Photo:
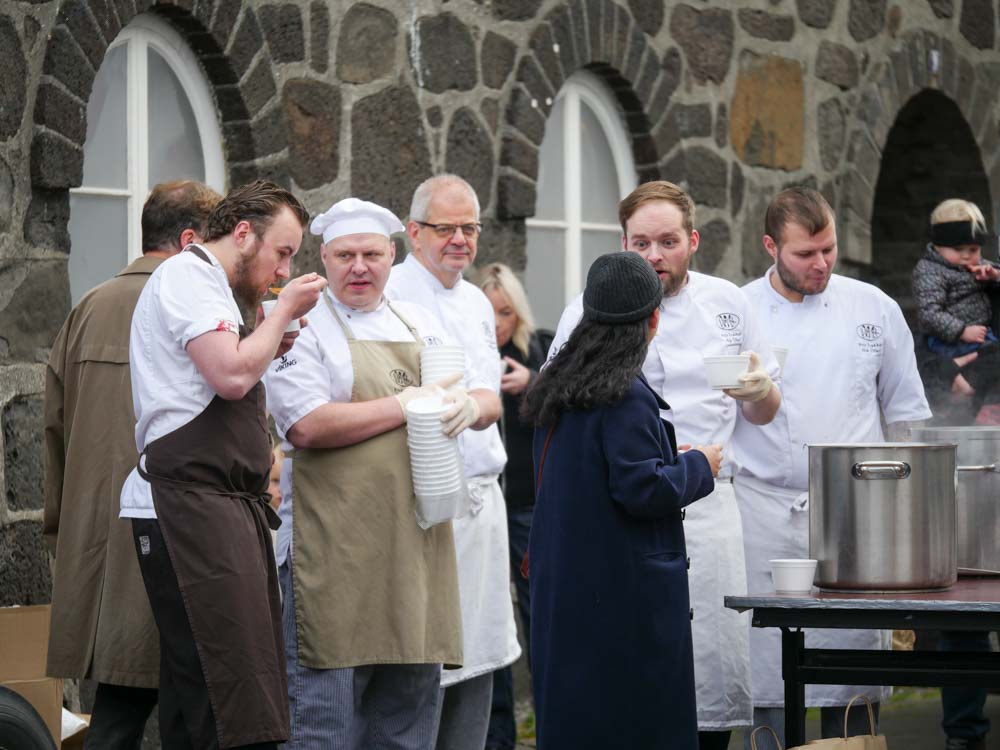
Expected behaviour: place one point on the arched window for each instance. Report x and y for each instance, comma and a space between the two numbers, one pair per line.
150, 118
585, 167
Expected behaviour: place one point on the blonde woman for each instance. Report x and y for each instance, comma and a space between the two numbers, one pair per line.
523, 349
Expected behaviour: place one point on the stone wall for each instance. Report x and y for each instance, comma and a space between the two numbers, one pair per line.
733, 99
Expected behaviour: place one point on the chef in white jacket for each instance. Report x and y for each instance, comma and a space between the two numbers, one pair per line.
444, 231
850, 361
700, 316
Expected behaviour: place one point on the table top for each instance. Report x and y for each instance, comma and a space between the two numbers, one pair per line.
969, 594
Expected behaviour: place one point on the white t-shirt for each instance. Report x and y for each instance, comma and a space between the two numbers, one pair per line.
850, 355
319, 370
708, 316
466, 315
184, 298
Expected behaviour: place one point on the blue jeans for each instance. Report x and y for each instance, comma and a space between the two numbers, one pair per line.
503, 726
962, 707
959, 348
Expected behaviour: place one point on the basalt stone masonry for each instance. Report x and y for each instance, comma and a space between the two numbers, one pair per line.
734, 100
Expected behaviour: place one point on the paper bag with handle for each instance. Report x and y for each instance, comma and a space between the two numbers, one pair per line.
870, 741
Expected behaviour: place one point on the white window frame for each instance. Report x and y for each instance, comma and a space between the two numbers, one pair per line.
143, 32
587, 87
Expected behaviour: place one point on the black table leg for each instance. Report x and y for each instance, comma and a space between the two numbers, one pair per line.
792, 646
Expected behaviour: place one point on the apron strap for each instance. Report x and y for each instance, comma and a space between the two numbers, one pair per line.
264, 498
350, 334
199, 251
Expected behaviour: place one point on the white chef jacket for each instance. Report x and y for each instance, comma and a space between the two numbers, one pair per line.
319, 370
708, 316
489, 636
184, 298
467, 316
850, 355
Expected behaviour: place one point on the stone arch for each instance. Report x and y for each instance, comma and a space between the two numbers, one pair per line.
570, 38
224, 36
930, 154
894, 81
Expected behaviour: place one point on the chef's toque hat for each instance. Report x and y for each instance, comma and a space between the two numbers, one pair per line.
354, 216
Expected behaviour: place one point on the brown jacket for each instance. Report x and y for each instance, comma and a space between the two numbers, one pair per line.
102, 627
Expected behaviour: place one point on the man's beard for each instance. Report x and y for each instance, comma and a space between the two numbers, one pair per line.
672, 283
248, 294
796, 283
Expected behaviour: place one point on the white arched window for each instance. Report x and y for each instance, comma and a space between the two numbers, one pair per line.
585, 167
150, 119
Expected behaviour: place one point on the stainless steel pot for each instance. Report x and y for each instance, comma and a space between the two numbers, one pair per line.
882, 516
977, 502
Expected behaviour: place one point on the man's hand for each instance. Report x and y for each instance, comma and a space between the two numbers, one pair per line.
713, 453
516, 379
463, 412
973, 334
300, 295
985, 272
756, 383
436, 388
960, 387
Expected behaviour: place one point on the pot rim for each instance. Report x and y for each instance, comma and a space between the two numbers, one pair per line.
895, 446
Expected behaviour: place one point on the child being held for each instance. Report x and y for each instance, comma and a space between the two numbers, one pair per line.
952, 283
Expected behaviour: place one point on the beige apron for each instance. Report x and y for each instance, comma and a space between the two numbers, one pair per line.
371, 587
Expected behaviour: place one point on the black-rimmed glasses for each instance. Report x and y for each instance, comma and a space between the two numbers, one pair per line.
444, 231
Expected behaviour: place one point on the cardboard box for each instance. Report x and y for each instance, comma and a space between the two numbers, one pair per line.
24, 642
46, 695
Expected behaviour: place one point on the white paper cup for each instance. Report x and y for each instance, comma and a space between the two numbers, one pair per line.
724, 370
438, 362
269, 304
793, 576
780, 354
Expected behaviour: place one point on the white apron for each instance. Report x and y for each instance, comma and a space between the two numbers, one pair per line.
714, 540
488, 631
776, 525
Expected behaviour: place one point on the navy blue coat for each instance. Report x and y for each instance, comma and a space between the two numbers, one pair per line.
611, 654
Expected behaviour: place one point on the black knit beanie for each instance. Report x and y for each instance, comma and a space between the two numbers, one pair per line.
621, 288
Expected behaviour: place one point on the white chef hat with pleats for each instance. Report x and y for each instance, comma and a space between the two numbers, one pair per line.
355, 216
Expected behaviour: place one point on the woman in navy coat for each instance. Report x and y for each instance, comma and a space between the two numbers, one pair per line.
611, 650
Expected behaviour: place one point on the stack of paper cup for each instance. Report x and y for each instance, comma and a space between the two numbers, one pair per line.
438, 362
435, 464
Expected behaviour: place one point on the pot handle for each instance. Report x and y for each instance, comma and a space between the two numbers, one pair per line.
995, 468
880, 470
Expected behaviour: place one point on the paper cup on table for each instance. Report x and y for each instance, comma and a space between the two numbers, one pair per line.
435, 465
780, 354
724, 370
268, 306
793, 576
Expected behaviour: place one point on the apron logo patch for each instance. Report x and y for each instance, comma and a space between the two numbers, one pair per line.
401, 378
144, 545
727, 321
869, 331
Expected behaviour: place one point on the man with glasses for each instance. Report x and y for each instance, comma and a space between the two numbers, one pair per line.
444, 231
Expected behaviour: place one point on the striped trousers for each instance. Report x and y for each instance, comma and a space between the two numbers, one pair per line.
371, 707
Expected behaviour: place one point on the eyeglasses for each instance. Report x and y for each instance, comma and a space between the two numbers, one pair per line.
444, 231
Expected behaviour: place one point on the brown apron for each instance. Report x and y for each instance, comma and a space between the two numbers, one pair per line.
209, 480
371, 586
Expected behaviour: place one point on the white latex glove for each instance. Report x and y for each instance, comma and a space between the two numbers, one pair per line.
463, 412
436, 388
756, 382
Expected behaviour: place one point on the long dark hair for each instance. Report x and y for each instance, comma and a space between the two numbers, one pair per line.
594, 368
